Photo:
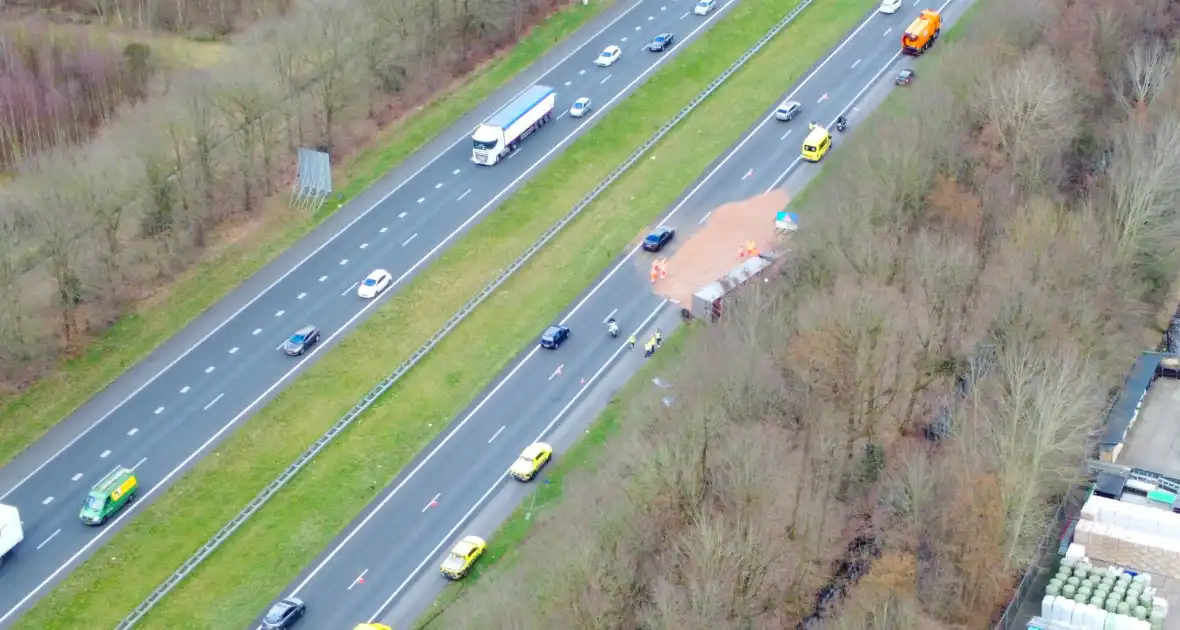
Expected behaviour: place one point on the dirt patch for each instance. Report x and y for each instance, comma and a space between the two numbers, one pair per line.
712, 251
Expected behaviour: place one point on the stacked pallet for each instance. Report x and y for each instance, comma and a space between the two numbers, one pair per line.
1136, 536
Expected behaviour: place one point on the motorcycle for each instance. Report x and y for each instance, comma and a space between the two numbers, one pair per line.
613, 328
841, 125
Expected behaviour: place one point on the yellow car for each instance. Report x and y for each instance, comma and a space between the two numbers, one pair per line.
372, 626
462, 556
530, 461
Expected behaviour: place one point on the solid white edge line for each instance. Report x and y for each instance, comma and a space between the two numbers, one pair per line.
500, 479
577, 395
131, 510
332, 554
297, 265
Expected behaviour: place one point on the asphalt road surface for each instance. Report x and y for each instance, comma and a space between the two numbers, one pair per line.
172, 408
457, 487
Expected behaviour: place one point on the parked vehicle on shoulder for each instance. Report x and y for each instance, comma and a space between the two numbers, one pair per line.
554, 336
302, 341
463, 555
921, 34
530, 462
905, 77
284, 614
658, 238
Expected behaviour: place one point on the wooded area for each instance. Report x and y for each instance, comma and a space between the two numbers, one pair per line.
997, 248
193, 18
86, 230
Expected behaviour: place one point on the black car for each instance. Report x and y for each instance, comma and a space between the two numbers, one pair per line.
658, 238
661, 42
303, 339
905, 77
554, 336
284, 614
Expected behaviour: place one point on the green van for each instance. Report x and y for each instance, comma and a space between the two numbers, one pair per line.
109, 495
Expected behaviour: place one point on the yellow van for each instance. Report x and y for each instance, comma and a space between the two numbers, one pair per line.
816, 145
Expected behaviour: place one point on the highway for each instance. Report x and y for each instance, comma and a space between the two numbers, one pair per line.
174, 406
457, 486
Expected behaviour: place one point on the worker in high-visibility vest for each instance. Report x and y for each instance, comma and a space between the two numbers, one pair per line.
631, 342
648, 348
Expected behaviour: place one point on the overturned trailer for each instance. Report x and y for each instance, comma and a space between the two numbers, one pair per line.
708, 303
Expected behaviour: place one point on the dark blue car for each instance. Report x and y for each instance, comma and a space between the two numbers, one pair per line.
554, 336
658, 238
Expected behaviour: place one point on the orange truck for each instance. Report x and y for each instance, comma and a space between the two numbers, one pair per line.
921, 33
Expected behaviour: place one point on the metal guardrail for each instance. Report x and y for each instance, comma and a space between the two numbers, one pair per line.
140, 611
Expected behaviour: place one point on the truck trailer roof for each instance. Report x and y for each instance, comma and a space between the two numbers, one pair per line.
519, 106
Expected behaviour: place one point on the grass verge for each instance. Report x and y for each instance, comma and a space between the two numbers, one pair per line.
286, 535
25, 417
582, 456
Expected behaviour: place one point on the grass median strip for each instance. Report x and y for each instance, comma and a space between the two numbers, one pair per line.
285, 536
580, 457
25, 417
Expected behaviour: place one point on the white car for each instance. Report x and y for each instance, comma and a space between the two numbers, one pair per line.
890, 6
705, 7
580, 107
608, 57
377, 282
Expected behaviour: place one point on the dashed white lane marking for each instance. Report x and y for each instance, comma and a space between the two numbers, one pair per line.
159, 410
684, 16
704, 218
364, 245
623, 39
133, 431
322, 278
407, 241
46, 541
556, 372
255, 333
279, 313
139, 463
421, 199
104, 454
581, 72
650, 18
496, 434
455, 172
886, 33
438, 185
214, 401
234, 350
609, 315
856, 63
561, 115
748, 174
349, 289
569, 83
433, 501
637, 28
184, 390
382, 230
467, 192
359, 579
344, 261
209, 369
785, 135
663, 8
76, 477
47, 501
604, 79
401, 215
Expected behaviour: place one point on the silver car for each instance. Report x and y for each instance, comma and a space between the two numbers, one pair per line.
788, 110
